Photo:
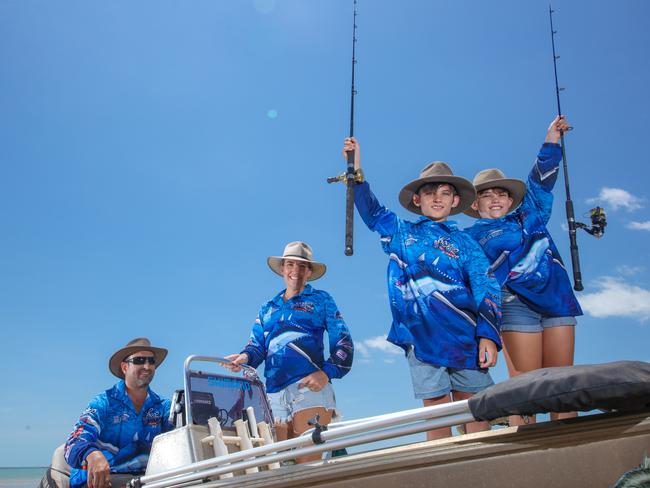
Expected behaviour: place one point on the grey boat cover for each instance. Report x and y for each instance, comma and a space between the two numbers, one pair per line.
622, 385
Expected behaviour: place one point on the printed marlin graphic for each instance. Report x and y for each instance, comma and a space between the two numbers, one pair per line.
283, 340
423, 287
303, 354
427, 285
531, 260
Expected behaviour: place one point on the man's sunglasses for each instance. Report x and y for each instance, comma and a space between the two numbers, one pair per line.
140, 360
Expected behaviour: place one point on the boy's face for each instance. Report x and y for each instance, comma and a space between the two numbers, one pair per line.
436, 200
492, 203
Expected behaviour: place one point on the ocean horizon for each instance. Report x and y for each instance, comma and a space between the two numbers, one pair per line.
21, 477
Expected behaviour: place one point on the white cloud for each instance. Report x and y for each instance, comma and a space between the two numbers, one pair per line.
626, 270
616, 298
616, 198
366, 347
639, 225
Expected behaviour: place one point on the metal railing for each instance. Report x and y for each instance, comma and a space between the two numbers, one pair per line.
341, 435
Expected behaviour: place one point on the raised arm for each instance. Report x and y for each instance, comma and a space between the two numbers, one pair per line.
377, 217
543, 176
559, 126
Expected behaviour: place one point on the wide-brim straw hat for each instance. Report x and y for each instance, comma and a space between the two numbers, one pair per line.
438, 172
297, 251
136, 345
494, 178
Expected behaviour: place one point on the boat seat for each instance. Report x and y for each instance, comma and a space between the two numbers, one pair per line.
58, 473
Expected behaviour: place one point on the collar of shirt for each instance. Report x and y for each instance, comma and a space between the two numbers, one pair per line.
120, 393
497, 222
448, 225
278, 300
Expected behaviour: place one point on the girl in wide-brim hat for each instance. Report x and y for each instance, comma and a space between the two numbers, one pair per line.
538, 304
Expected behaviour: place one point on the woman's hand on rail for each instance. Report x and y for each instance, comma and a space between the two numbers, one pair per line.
235, 361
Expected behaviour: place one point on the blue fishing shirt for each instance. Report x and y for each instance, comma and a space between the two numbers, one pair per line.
523, 255
111, 425
441, 296
288, 337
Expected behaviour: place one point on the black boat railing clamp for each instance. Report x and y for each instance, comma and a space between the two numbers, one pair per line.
318, 429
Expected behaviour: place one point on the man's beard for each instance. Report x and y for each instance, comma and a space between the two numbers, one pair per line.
143, 380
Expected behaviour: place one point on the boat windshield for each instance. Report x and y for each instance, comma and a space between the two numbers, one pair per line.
226, 398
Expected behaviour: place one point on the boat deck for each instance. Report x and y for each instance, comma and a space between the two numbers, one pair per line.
592, 451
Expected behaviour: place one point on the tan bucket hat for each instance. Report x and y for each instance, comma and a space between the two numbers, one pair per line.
136, 345
438, 172
298, 251
494, 178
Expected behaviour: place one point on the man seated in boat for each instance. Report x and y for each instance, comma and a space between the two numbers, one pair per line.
112, 439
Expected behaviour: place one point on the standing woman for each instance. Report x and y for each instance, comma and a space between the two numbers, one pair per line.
288, 337
538, 304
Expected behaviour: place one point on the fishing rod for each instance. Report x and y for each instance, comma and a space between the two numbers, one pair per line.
597, 214
349, 176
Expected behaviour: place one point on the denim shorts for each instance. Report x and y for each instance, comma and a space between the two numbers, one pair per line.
433, 381
290, 400
519, 317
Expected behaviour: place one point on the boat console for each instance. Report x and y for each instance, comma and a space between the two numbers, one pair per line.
215, 414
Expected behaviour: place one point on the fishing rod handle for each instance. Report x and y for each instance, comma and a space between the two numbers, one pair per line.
577, 274
573, 245
349, 204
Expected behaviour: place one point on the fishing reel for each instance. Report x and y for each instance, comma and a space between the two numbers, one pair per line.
343, 177
598, 222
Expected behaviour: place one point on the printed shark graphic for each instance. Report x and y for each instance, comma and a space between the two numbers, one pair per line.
400, 263
557, 261
410, 241
283, 340
531, 260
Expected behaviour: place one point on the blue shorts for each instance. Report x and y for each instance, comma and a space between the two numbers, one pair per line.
519, 317
433, 381
290, 400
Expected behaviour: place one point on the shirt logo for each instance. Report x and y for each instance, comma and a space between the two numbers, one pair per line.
446, 246
152, 417
121, 418
303, 307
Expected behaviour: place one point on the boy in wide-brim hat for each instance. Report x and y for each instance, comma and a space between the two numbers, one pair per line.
539, 307
444, 305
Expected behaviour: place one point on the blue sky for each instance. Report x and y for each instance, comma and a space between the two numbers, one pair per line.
154, 153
